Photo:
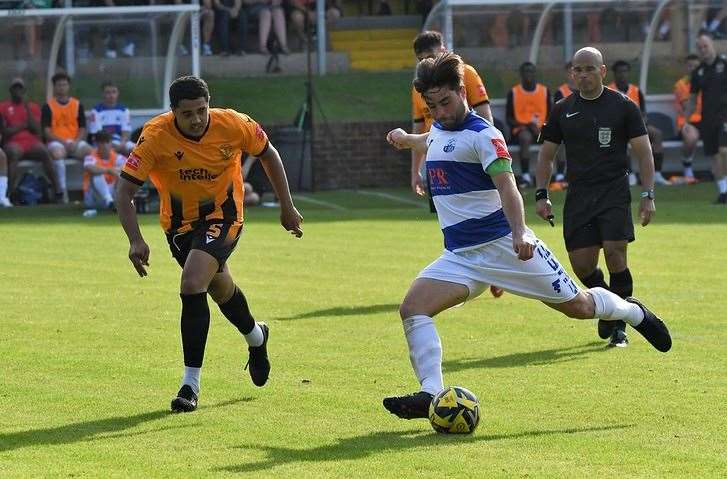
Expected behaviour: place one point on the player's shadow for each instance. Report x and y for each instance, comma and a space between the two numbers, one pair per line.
346, 311
373, 444
534, 358
112, 427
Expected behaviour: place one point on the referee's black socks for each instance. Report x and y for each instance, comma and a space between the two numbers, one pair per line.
595, 279
622, 283
195, 324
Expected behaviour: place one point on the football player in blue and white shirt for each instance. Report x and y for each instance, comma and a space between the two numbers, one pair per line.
114, 118
486, 240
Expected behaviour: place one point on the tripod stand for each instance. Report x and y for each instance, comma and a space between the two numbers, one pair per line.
305, 117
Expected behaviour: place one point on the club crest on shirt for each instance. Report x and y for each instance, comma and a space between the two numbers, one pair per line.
226, 152
449, 147
604, 136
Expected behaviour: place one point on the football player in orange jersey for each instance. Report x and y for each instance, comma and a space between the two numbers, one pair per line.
192, 155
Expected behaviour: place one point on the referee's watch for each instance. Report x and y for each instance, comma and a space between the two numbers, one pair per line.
648, 194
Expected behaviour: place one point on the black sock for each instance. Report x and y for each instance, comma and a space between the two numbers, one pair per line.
595, 279
622, 283
238, 313
195, 324
658, 161
525, 165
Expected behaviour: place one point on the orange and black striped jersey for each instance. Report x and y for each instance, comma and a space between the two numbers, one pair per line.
197, 179
476, 96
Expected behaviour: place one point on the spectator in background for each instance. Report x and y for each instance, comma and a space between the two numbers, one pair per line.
21, 136
303, 16
64, 127
710, 79
4, 201
31, 26
129, 47
688, 128
207, 21
113, 118
230, 12
621, 70
528, 106
101, 169
269, 13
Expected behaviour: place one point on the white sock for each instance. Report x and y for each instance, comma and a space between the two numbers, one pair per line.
60, 167
611, 307
191, 378
425, 352
102, 188
722, 185
255, 337
3, 186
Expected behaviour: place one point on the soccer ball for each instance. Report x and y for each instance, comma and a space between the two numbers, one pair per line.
454, 410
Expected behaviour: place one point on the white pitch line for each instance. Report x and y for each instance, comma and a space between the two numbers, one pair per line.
333, 206
392, 197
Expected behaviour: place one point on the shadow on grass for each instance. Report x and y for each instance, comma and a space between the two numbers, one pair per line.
346, 311
91, 430
375, 443
534, 358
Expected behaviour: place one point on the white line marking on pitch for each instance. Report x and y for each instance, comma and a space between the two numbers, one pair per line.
392, 197
320, 203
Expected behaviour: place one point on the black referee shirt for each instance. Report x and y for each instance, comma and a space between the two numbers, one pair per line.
711, 80
596, 133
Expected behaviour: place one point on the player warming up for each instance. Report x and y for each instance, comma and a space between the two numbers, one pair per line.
192, 156
485, 237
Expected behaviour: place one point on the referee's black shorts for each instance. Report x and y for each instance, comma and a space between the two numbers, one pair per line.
215, 237
714, 134
594, 214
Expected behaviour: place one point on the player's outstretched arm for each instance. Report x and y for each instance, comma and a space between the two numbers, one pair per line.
402, 140
138, 249
642, 149
290, 218
417, 157
543, 171
512, 206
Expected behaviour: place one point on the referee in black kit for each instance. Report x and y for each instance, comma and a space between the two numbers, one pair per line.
596, 124
710, 78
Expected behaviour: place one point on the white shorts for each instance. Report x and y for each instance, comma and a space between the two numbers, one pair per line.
496, 263
77, 153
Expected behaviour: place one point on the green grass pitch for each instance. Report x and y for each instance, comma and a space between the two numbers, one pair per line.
91, 354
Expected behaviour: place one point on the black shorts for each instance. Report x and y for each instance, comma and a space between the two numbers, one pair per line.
215, 237
594, 214
714, 134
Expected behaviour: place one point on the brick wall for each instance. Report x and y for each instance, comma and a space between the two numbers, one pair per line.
356, 155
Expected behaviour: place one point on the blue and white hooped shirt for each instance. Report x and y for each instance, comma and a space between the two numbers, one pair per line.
468, 204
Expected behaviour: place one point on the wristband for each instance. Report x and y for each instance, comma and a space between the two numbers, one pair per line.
541, 194
648, 194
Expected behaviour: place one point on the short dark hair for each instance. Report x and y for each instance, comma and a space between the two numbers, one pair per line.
620, 63
692, 56
108, 83
102, 137
187, 88
446, 69
427, 41
60, 76
525, 65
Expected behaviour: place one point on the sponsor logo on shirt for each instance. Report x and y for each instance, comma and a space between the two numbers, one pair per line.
133, 162
196, 174
259, 133
449, 147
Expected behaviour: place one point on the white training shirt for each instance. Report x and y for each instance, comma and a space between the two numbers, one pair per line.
468, 204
